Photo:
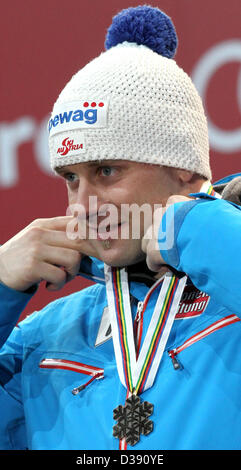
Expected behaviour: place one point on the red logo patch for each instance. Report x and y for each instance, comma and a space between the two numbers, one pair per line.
67, 146
193, 303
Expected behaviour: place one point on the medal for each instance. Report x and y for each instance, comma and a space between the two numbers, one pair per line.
137, 374
132, 420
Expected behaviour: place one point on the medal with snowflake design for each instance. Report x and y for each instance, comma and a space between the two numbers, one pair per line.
133, 420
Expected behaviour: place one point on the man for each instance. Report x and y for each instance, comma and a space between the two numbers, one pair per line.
148, 355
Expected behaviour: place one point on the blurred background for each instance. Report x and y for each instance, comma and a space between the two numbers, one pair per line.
44, 43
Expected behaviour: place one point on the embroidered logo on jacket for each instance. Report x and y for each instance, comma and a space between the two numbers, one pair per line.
193, 303
104, 332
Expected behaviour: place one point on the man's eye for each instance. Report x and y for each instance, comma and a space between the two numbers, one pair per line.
106, 171
71, 177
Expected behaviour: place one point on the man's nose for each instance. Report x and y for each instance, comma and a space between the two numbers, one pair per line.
86, 200
85, 193
85, 190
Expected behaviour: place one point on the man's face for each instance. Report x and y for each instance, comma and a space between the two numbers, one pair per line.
116, 198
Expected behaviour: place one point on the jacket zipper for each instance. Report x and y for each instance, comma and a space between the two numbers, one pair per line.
225, 321
94, 372
76, 390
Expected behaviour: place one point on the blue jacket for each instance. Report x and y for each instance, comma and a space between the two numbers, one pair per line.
197, 391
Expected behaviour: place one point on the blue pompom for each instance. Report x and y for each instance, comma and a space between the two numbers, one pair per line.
144, 25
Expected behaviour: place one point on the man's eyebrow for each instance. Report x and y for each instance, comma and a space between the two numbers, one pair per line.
101, 162
66, 169
95, 163
61, 170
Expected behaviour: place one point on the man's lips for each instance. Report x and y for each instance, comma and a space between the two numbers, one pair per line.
106, 232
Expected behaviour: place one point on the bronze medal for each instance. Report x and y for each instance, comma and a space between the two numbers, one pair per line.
133, 420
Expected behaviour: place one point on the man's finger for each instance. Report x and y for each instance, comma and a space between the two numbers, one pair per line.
67, 258
54, 223
59, 238
53, 275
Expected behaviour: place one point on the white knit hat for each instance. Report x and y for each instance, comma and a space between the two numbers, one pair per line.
132, 102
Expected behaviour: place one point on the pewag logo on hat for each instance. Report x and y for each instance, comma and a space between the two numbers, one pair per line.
77, 115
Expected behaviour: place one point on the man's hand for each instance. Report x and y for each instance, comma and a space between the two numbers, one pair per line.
150, 245
42, 251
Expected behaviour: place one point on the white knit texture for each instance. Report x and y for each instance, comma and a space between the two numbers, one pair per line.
155, 114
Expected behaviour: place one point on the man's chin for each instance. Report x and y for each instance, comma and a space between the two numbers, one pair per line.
112, 254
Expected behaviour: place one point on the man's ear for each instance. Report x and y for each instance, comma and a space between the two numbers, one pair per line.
179, 176
185, 176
